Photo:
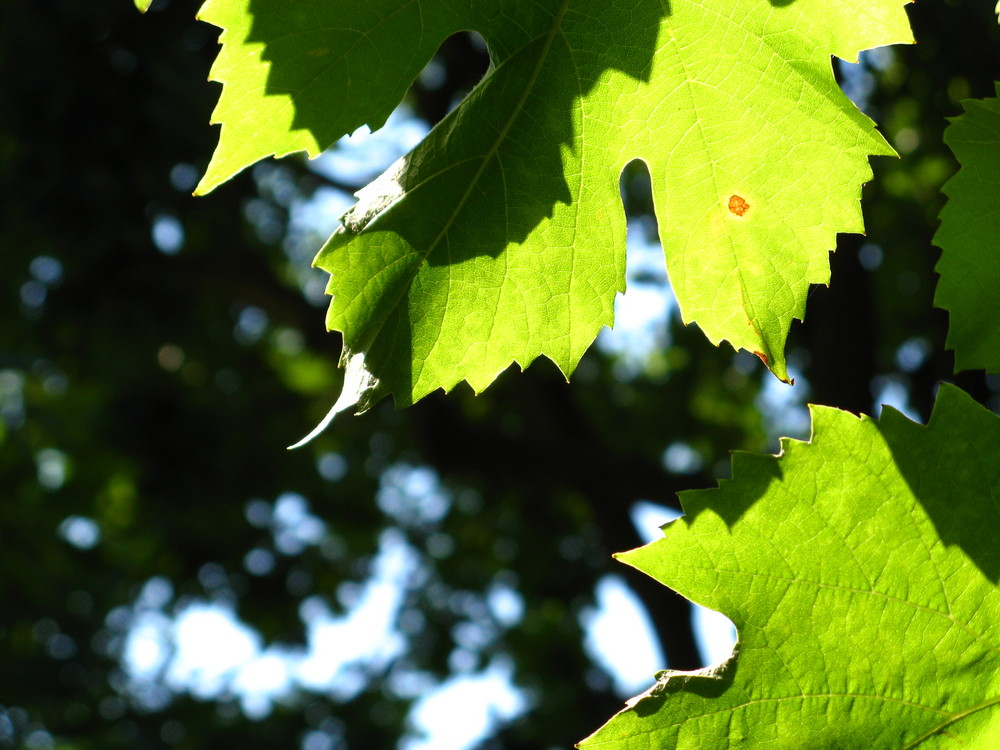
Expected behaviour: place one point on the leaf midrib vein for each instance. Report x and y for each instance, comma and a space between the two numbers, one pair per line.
494, 148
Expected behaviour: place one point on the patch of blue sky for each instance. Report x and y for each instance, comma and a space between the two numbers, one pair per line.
483, 700
892, 390
505, 603
206, 650
857, 80
81, 532
362, 156
620, 637
642, 313
354, 161
784, 407
412, 495
714, 633
342, 649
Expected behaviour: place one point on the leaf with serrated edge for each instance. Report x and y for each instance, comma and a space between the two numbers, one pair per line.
970, 238
861, 572
500, 238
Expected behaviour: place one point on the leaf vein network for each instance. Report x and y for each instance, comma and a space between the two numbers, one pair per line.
952, 719
501, 137
854, 590
776, 52
706, 148
577, 79
852, 696
361, 35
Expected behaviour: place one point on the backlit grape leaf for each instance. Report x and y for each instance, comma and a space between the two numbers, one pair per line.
500, 238
969, 287
861, 572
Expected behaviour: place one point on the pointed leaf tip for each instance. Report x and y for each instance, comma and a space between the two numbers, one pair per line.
358, 383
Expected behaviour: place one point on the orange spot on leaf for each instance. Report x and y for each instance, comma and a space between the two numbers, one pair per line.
737, 205
762, 357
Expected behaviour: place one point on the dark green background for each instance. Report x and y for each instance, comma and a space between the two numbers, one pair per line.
98, 107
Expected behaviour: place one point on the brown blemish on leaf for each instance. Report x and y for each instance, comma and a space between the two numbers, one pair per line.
739, 207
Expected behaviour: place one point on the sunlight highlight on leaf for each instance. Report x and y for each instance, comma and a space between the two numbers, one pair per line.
861, 571
500, 238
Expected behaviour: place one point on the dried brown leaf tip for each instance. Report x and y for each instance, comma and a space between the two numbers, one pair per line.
737, 205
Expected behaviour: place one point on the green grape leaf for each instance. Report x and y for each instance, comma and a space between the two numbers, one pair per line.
969, 287
861, 572
501, 237
142, 5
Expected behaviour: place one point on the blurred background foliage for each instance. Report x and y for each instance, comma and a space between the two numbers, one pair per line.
158, 352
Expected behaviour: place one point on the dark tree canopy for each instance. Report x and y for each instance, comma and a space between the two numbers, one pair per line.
159, 351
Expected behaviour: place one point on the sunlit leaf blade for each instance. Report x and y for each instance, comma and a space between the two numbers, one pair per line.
861, 572
299, 75
501, 237
969, 287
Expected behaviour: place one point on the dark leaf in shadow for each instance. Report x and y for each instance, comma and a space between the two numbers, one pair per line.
952, 466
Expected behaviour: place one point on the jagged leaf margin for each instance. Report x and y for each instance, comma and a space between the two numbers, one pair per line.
501, 237
969, 235
861, 571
